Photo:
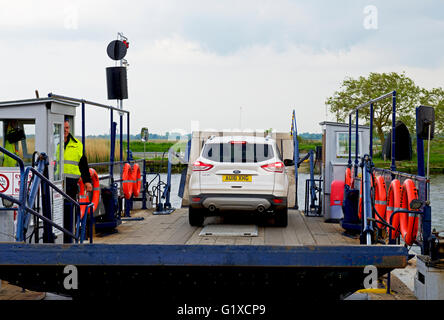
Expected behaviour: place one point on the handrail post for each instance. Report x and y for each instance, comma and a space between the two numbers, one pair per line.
144, 196
367, 206
295, 157
121, 144
349, 140
393, 165
371, 131
48, 235
357, 144
111, 151
312, 182
91, 225
128, 137
167, 190
83, 127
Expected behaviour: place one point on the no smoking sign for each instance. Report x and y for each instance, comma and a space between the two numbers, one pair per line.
4, 183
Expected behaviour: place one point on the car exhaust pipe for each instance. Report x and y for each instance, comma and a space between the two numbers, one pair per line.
212, 208
260, 208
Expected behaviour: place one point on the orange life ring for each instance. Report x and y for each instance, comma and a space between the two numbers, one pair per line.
137, 181
408, 221
127, 182
96, 188
83, 195
380, 199
394, 204
348, 177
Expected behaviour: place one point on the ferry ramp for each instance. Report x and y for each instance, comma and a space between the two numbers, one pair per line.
163, 256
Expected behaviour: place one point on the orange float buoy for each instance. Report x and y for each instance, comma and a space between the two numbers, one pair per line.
83, 195
380, 199
96, 188
348, 177
127, 182
137, 181
394, 204
408, 221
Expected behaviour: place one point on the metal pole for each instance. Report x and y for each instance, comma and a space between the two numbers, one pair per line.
428, 158
349, 140
357, 143
111, 155
128, 138
144, 197
83, 127
296, 158
48, 236
367, 212
121, 143
56, 96
393, 166
168, 185
371, 131
419, 150
312, 183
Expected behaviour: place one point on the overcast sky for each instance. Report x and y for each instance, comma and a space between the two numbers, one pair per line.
224, 64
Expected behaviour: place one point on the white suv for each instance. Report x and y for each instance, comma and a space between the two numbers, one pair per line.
236, 173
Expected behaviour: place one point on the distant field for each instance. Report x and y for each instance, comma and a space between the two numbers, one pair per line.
436, 155
98, 149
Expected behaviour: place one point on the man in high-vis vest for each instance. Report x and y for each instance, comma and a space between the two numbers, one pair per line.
75, 166
11, 146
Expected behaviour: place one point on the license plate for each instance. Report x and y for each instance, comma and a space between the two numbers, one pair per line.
236, 178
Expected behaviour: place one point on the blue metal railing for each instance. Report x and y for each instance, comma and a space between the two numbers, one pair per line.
423, 182
366, 161
294, 134
26, 202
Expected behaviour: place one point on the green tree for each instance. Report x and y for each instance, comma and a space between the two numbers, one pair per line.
435, 98
354, 92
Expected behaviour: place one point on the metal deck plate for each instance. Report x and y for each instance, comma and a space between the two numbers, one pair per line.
229, 230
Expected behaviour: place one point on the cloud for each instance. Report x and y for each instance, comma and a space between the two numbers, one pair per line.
203, 60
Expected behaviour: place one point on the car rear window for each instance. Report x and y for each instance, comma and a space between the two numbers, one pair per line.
238, 152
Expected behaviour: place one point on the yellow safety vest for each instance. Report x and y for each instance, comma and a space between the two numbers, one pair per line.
8, 161
71, 156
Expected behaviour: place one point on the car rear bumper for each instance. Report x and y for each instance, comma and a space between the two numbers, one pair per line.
245, 202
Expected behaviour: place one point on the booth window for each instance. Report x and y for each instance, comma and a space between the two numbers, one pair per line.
57, 138
17, 136
342, 144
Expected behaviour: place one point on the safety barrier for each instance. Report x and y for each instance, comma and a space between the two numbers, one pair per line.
27, 198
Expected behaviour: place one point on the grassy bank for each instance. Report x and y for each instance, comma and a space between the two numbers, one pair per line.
97, 150
436, 156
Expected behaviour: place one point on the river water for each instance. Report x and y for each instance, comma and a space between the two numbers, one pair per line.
436, 195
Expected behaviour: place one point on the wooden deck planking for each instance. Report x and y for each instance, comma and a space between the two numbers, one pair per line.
300, 228
175, 229
274, 236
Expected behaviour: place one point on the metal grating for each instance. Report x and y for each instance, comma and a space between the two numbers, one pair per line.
229, 230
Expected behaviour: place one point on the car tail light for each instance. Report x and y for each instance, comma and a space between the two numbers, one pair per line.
277, 201
200, 166
274, 167
195, 199
238, 142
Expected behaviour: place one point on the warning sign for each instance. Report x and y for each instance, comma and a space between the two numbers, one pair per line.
4, 183
10, 181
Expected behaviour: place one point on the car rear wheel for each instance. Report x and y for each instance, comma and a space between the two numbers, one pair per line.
281, 218
195, 217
